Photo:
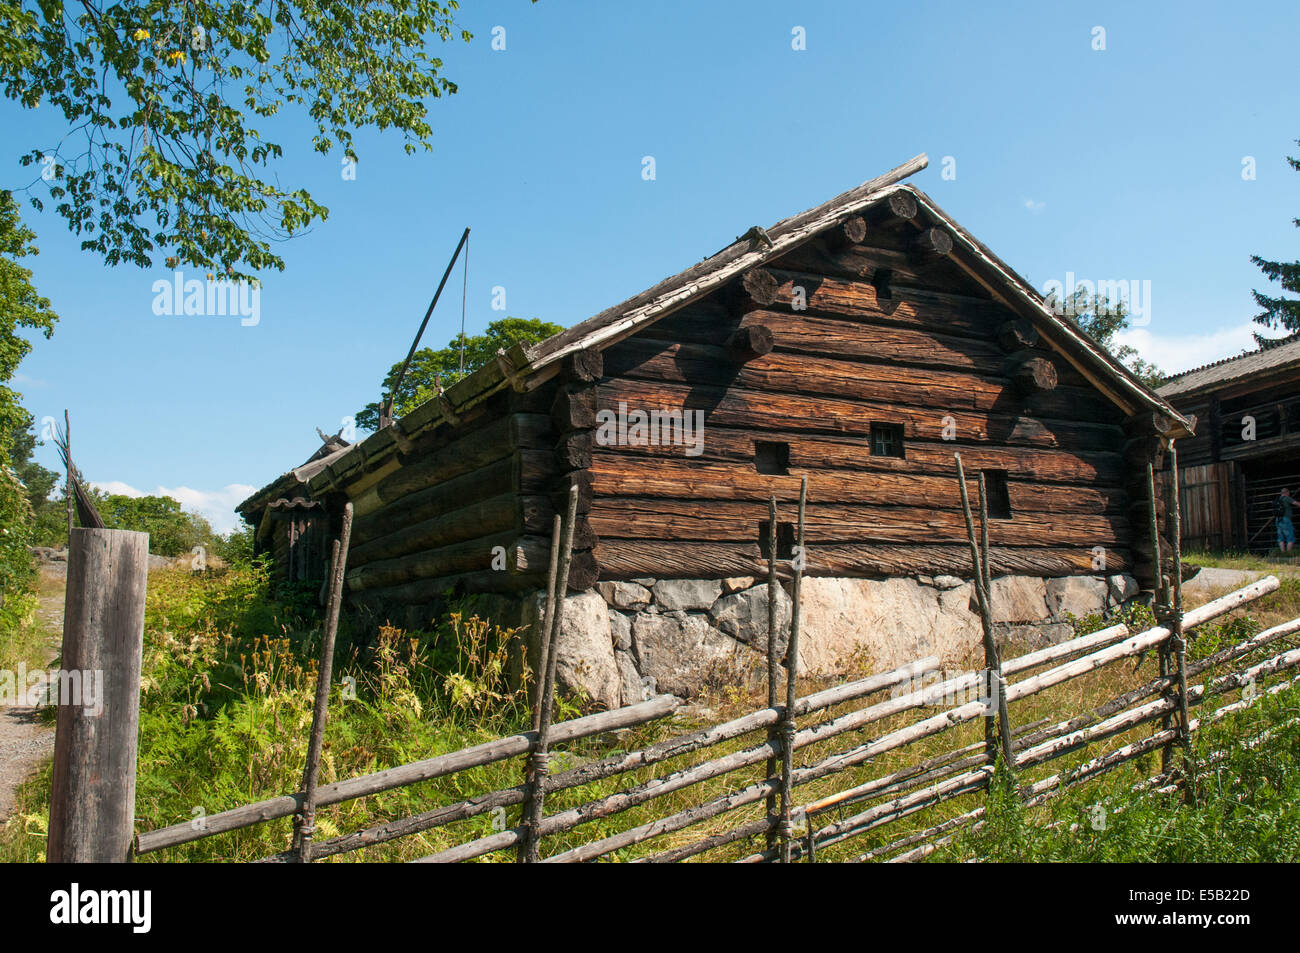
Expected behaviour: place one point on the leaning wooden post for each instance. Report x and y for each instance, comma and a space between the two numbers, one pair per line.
539, 758
544, 633
993, 668
305, 821
92, 794
996, 681
1163, 611
771, 800
1176, 639
791, 667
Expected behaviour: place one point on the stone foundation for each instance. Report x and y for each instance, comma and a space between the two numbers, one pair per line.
624, 641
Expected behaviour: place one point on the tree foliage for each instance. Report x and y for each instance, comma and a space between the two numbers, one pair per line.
1279, 311
1101, 319
430, 367
21, 309
172, 531
168, 100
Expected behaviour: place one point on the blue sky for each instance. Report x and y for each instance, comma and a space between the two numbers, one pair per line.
1116, 164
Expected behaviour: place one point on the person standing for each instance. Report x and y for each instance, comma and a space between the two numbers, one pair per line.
1282, 508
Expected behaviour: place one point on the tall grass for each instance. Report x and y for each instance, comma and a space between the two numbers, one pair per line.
229, 675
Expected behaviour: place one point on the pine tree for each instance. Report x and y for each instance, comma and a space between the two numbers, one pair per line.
1279, 312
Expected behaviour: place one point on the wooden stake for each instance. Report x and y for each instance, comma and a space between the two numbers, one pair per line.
539, 759
1176, 639
993, 674
92, 794
305, 822
544, 633
791, 667
771, 800
994, 664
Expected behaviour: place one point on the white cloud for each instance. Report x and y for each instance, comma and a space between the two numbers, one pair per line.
1173, 353
217, 506
1034, 206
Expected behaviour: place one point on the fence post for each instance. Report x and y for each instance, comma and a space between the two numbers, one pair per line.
539, 759
1176, 639
1163, 611
983, 576
305, 822
92, 796
791, 667
770, 802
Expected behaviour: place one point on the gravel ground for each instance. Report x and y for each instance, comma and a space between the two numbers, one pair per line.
24, 740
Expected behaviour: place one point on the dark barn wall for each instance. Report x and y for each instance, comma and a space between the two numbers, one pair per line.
460, 498
936, 352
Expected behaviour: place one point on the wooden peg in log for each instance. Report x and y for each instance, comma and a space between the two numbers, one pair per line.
1031, 372
750, 342
1018, 334
930, 244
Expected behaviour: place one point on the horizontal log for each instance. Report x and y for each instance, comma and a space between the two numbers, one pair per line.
616, 474
759, 286
828, 523
930, 244
526, 472
1031, 372
864, 261
473, 757
526, 514
914, 308
737, 407
923, 457
476, 450
656, 360
851, 231
633, 558
897, 207
750, 342
521, 554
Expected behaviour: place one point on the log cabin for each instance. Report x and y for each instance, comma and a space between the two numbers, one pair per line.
860, 344
1246, 449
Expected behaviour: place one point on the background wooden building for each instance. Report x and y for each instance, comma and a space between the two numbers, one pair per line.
859, 343
1246, 448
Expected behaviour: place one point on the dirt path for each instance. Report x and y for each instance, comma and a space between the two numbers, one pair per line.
24, 740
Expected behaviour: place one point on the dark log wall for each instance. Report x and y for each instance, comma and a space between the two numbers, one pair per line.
893, 334
468, 506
